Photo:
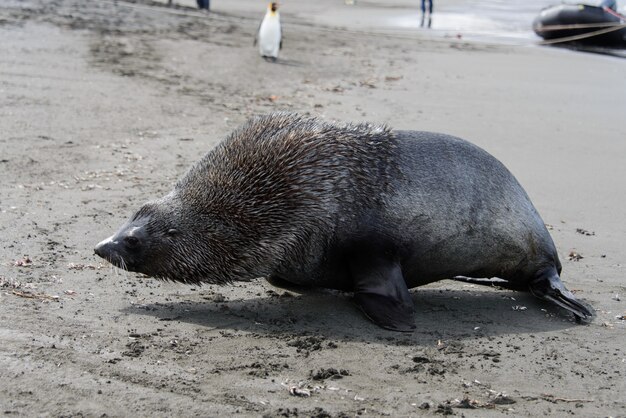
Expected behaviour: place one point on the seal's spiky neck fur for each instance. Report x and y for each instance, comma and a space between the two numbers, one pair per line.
265, 196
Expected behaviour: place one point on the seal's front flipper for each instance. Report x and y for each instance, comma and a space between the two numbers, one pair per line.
550, 288
381, 293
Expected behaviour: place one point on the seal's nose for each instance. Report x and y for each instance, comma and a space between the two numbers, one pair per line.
103, 247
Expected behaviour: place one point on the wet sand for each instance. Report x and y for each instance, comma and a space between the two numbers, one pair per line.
103, 107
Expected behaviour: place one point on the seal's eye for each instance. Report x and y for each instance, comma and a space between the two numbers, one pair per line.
131, 241
172, 232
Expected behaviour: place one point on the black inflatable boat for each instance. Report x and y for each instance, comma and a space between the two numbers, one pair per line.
584, 24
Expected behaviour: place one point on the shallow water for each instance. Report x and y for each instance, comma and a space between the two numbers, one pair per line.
496, 19
507, 21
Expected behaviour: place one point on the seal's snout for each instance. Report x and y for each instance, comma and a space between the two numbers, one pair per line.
115, 251
125, 249
103, 249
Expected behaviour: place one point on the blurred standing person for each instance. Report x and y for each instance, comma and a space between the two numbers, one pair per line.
202, 4
430, 13
430, 6
608, 4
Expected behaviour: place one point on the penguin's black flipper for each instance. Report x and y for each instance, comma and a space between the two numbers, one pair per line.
549, 287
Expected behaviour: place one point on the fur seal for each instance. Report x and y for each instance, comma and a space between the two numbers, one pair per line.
355, 207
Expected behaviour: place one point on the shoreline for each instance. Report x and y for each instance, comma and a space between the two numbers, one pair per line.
475, 21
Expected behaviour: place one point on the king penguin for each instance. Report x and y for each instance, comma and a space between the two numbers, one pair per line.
270, 33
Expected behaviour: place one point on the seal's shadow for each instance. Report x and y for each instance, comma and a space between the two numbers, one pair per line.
440, 314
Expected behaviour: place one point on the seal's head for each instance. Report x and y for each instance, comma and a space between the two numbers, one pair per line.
159, 241
146, 243
260, 202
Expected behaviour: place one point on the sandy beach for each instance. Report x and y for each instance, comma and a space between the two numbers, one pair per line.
104, 105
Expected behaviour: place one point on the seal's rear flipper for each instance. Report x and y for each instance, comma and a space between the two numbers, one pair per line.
550, 288
381, 293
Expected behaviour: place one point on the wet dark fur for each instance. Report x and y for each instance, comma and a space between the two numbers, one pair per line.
266, 196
